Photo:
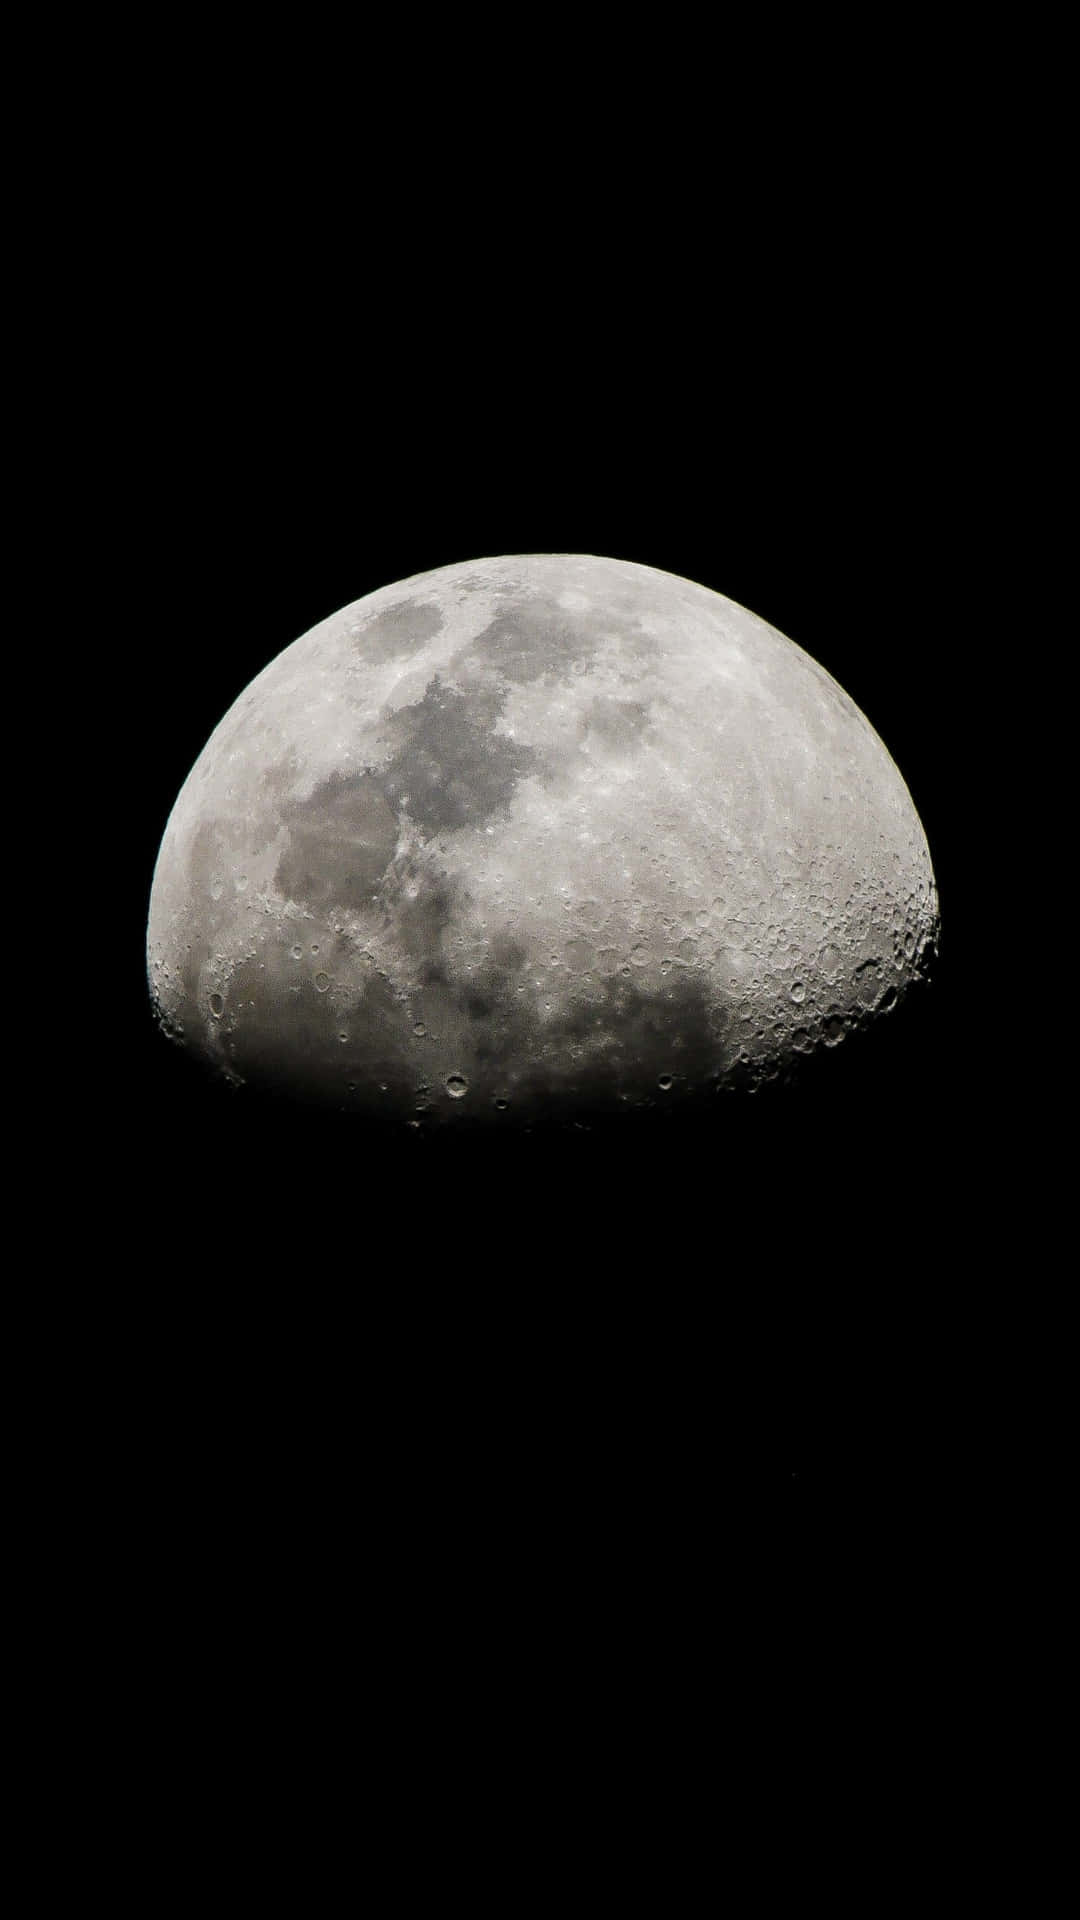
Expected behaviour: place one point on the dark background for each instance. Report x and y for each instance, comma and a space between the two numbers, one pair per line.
358, 344
538, 1446
781, 1289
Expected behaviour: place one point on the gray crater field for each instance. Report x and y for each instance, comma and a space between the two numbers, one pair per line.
535, 837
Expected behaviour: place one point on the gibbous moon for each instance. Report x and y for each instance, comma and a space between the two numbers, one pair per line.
540, 836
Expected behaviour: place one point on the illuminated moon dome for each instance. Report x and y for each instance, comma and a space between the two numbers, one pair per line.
538, 836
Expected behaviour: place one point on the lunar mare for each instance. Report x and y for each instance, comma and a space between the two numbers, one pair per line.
538, 835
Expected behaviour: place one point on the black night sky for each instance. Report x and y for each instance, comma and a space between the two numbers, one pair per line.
802, 1236
768, 1316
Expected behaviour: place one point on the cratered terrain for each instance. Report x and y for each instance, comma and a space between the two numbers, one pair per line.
535, 837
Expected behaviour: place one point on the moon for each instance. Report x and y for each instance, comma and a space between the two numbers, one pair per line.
535, 836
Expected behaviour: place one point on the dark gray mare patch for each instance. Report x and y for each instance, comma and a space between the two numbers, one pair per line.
403, 629
451, 769
341, 840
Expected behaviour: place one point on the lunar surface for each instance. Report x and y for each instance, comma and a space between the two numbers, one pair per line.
538, 836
